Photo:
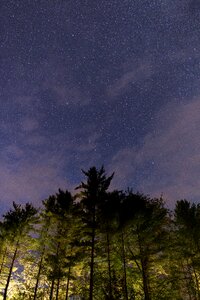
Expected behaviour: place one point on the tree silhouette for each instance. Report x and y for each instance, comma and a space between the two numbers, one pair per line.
93, 193
107, 220
17, 223
100, 244
187, 220
59, 208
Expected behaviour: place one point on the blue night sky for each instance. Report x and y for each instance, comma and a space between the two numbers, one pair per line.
94, 82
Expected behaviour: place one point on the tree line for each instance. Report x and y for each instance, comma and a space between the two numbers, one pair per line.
100, 245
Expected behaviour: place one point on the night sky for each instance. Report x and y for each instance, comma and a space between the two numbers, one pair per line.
94, 82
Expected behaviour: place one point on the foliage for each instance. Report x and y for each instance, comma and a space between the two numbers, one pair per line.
101, 245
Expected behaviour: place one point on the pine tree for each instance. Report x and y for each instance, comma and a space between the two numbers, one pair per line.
92, 195
17, 223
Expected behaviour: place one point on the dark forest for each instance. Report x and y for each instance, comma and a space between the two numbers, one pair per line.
100, 244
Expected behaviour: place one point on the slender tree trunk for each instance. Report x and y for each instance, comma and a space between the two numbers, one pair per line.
38, 275
58, 279
109, 264
92, 266
92, 258
10, 271
41, 260
3, 260
124, 266
144, 265
68, 279
57, 289
52, 289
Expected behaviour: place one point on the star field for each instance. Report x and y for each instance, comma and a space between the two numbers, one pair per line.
87, 83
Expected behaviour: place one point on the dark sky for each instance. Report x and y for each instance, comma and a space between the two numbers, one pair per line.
94, 82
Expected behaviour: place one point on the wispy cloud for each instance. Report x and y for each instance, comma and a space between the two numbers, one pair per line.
62, 85
29, 124
139, 72
66, 95
168, 161
37, 165
29, 182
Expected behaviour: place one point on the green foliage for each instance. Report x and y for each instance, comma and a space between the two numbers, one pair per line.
101, 245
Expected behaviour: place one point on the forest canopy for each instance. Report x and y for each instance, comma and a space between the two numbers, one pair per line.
100, 245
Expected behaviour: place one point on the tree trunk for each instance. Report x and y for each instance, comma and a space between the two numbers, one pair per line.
10, 271
58, 279
52, 289
41, 260
92, 259
124, 266
109, 264
38, 276
92, 266
144, 265
57, 289
68, 279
